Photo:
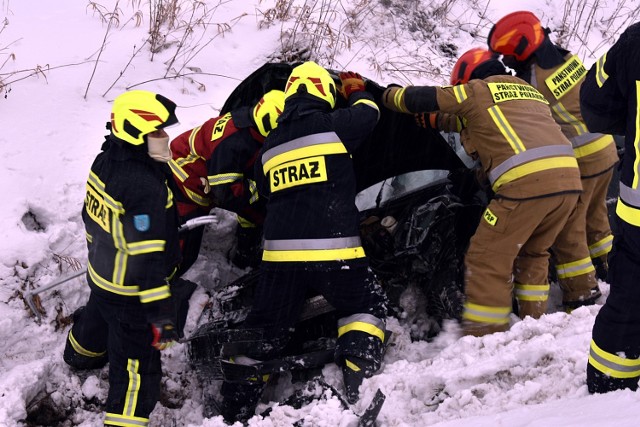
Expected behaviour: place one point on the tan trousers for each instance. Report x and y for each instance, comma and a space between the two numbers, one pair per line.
511, 244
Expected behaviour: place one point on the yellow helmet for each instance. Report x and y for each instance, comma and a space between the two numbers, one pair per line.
138, 112
267, 110
316, 81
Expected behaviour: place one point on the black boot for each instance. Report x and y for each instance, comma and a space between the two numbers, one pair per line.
354, 371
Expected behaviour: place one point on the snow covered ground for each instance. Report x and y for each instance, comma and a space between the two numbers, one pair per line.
61, 66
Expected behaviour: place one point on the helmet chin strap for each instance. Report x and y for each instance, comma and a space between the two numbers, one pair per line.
159, 148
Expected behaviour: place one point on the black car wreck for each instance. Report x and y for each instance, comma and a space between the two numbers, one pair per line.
420, 203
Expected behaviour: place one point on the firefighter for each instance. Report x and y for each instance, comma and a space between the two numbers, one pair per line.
532, 172
558, 74
609, 102
131, 226
311, 232
213, 167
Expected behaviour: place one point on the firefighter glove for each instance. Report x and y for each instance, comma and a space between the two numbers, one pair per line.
427, 120
351, 82
164, 334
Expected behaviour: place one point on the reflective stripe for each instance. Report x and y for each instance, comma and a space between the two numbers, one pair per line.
550, 151
351, 365
81, 350
314, 145
636, 142
110, 201
368, 103
505, 128
124, 421
460, 92
362, 322
313, 255
575, 268
155, 294
601, 247
535, 166
253, 189
569, 118
101, 282
486, 314
196, 198
594, 146
601, 75
306, 244
145, 247
177, 170
628, 214
131, 396
120, 261
224, 178
629, 195
169, 196
613, 365
398, 98
531, 292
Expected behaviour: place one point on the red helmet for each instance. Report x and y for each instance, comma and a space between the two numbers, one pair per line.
468, 62
517, 34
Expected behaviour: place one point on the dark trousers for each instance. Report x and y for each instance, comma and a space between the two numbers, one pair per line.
616, 331
279, 299
119, 331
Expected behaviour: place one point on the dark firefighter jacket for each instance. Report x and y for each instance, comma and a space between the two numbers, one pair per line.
509, 128
131, 224
213, 163
306, 172
609, 103
560, 85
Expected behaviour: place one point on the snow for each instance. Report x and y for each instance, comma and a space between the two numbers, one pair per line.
56, 101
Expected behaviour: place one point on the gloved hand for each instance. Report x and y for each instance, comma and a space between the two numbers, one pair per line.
427, 120
351, 82
164, 334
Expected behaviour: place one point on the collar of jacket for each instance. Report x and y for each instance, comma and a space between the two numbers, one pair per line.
300, 105
549, 55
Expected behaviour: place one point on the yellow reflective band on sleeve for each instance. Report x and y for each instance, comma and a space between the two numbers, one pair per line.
313, 255
365, 327
460, 92
505, 128
569, 118
575, 268
567, 76
145, 247
155, 294
531, 292
244, 223
224, 178
601, 247
253, 189
613, 365
501, 92
196, 198
594, 146
81, 350
301, 153
601, 75
169, 196
368, 103
89, 237
178, 172
533, 167
628, 214
398, 100
486, 314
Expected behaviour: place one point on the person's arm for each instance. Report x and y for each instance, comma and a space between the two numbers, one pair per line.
602, 102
